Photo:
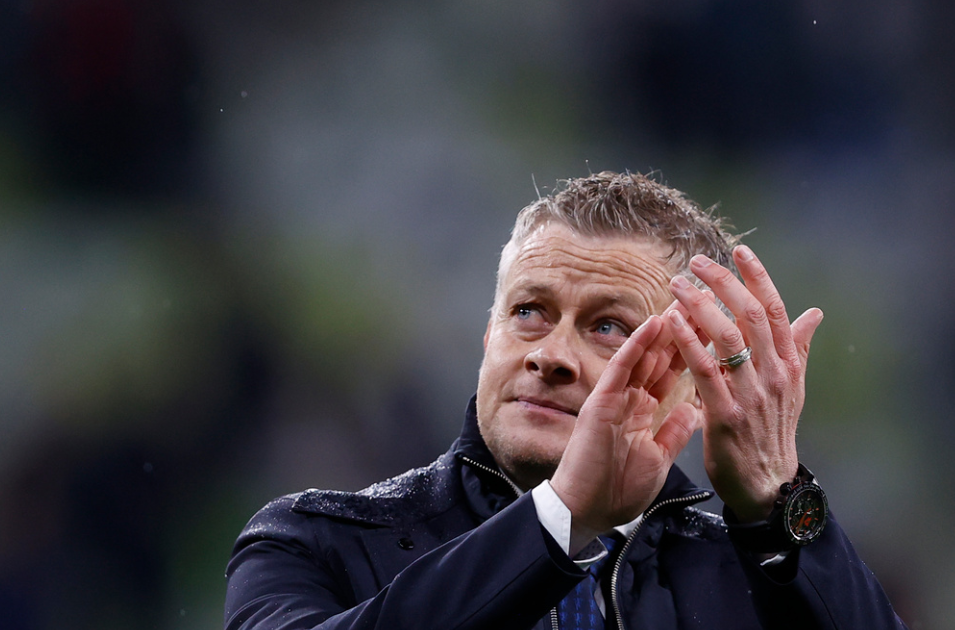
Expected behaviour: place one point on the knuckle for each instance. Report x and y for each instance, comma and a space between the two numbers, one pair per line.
779, 386
776, 311
697, 298
722, 278
755, 313
782, 379
710, 370
731, 338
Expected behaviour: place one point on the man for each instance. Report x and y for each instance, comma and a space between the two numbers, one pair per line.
597, 370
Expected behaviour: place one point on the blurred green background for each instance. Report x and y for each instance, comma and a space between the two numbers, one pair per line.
248, 248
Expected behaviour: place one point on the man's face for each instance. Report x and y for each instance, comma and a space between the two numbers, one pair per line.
565, 305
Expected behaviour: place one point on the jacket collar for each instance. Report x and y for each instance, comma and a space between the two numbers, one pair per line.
399, 499
470, 444
486, 487
470, 447
414, 495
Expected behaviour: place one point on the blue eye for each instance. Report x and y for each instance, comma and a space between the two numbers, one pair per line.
611, 328
529, 317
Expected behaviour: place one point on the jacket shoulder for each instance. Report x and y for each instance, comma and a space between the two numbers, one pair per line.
416, 494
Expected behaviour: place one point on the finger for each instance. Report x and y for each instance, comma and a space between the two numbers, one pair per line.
665, 333
702, 335
655, 359
751, 326
706, 372
803, 330
677, 429
715, 325
668, 370
676, 305
672, 365
619, 370
663, 386
761, 286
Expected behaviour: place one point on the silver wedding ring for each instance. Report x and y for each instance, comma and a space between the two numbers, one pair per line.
737, 359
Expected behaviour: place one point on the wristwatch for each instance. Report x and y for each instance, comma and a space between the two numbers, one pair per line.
799, 516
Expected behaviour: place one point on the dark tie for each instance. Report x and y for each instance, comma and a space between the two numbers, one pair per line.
578, 611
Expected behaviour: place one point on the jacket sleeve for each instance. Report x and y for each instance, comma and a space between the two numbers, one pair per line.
505, 574
825, 585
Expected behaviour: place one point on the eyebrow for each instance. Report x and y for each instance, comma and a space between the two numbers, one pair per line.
533, 289
619, 300
536, 289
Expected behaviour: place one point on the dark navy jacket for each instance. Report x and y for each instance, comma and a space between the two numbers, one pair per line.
450, 546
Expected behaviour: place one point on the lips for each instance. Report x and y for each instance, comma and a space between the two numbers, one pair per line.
547, 404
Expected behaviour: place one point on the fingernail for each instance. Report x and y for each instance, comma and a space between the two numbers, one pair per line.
745, 253
700, 261
676, 319
680, 282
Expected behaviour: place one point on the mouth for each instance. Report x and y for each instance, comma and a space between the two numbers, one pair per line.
541, 403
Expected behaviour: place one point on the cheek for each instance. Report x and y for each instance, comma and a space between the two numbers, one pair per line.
592, 367
495, 365
500, 351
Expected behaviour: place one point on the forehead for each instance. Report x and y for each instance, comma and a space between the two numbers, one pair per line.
555, 258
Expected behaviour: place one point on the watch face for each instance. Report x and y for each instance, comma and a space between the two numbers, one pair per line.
805, 513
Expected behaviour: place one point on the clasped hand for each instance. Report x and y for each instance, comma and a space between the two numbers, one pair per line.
617, 460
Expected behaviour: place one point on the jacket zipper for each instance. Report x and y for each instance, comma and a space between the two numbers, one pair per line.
496, 473
517, 492
693, 498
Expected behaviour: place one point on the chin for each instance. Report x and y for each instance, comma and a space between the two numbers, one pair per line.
530, 474
527, 463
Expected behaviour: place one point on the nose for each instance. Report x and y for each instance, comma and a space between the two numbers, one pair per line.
556, 358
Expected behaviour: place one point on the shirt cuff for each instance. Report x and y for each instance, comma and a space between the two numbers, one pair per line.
555, 517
